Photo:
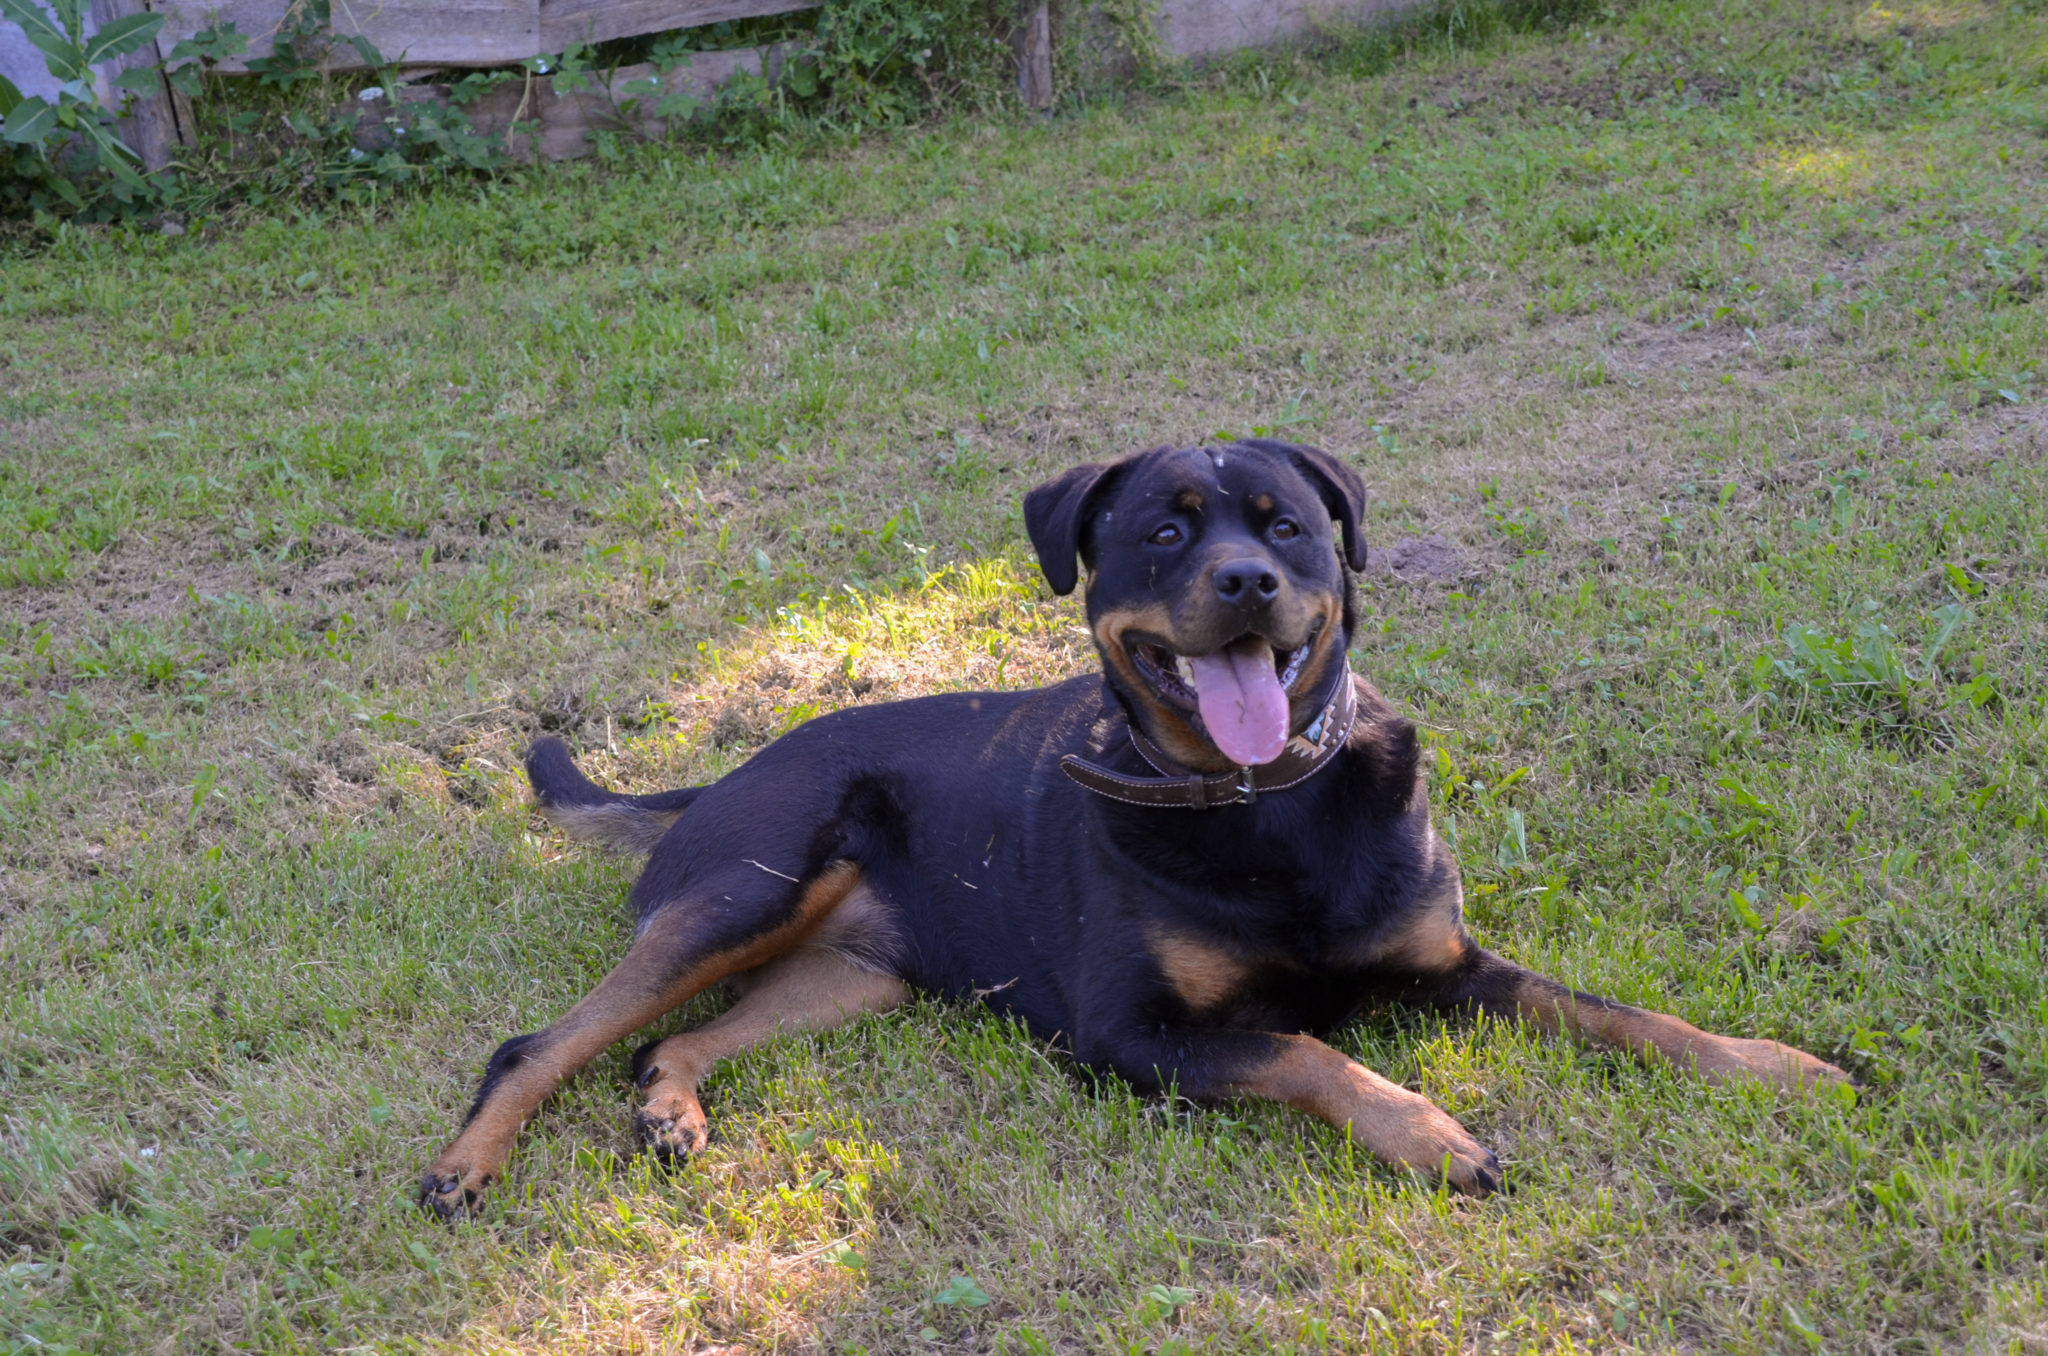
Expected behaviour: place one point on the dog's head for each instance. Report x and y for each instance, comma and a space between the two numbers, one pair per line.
1216, 590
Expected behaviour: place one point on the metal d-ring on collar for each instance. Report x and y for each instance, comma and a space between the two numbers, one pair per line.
1178, 787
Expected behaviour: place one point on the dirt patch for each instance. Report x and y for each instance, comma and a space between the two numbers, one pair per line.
137, 580
2013, 429
1690, 348
1601, 93
1422, 560
149, 580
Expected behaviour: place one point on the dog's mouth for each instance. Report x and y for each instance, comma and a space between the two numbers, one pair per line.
1239, 693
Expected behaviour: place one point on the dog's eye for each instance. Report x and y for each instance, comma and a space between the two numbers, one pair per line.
1165, 536
1285, 529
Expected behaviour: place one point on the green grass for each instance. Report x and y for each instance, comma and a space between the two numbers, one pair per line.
1708, 343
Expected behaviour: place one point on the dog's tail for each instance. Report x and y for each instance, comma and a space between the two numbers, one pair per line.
582, 809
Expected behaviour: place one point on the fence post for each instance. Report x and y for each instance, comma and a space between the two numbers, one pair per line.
152, 127
1034, 57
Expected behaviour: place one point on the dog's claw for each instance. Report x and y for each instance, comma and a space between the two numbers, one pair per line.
446, 1198
1479, 1179
1475, 1171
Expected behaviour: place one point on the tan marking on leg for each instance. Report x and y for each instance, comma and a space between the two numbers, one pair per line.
640, 989
1656, 1038
809, 988
1400, 1128
1203, 975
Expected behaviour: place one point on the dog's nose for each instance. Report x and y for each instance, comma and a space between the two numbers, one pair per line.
1246, 583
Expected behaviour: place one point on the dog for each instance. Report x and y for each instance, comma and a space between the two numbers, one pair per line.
1184, 870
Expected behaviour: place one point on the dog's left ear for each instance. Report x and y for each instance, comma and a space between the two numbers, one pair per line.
1055, 515
1342, 491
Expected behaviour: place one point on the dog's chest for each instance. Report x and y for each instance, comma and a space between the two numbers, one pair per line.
1276, 958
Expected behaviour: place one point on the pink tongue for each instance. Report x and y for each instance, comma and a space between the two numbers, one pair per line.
1242, 702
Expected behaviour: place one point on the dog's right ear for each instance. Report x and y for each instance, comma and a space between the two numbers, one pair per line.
1056, 514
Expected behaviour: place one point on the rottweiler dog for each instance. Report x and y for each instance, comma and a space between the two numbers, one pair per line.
1186, 869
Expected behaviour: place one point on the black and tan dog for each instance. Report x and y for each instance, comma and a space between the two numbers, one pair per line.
1185, 876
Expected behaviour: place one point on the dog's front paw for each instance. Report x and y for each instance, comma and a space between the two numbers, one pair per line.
452, 1193
1462, 1161
1423, 1139
671, 1125
1781, 1066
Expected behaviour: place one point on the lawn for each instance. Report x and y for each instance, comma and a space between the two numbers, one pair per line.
1693, 355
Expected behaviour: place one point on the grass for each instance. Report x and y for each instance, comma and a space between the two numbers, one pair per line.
1693, 358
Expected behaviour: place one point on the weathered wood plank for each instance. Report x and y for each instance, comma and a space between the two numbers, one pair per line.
565, 121
568, 119
1034, 58
151, 128
515, 102
404, 32
1207, 28
465, 32
565, 21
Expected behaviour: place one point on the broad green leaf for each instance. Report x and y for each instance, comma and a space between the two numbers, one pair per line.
9, 97
962, 1292
140, 80
114, 154
122, 36
60, 57
35, 21
1168, 1300
211, 44
367, 50
30, 122
1744, 909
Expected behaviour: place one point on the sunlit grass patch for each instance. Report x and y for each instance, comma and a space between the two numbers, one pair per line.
1828, 172
756, 1240
981, 624
1884, 20
975, 625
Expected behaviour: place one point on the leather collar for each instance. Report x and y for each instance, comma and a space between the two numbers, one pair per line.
1182, 788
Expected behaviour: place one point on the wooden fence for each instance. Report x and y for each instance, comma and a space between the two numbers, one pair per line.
423, 36
458, 33
420, 37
